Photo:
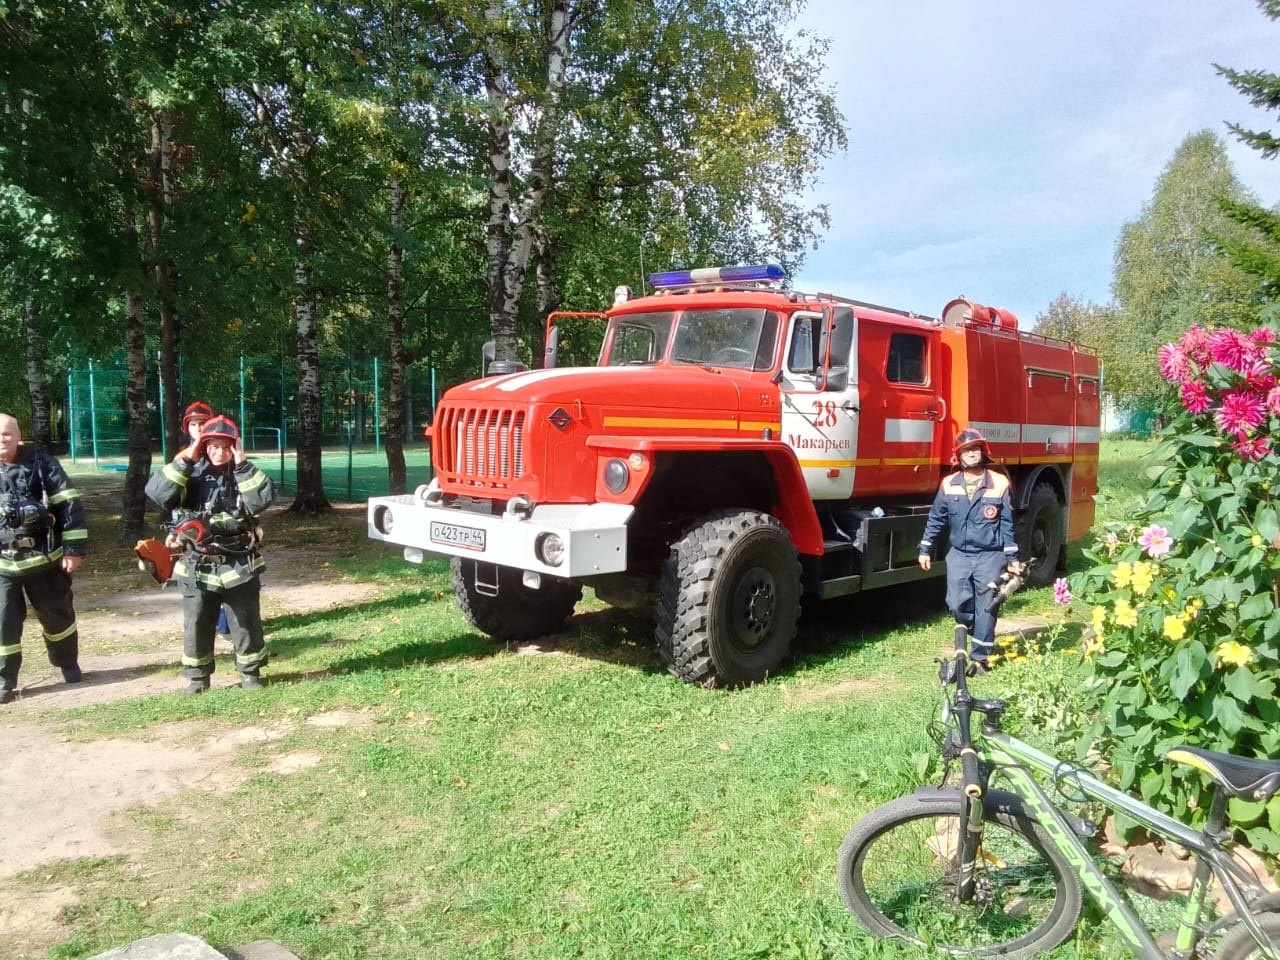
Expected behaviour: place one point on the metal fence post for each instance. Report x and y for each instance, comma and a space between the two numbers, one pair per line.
377, 410
93, 416
71, 412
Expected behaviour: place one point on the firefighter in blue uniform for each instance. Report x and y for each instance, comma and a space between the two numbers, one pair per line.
43, 540
973, 505
219, 495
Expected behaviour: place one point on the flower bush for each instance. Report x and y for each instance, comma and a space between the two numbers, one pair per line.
1183, 600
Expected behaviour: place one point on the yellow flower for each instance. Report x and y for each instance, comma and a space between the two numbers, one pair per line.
1143, 574
1235, 654
1092, 643
1126, 616
1169, 592
1122, 574
1175, 627
1099, 618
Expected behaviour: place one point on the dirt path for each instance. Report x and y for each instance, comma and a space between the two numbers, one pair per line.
64, 795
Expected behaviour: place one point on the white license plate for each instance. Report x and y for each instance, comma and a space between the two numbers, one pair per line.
469, 538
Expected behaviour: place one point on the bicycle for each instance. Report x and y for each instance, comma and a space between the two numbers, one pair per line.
970, 870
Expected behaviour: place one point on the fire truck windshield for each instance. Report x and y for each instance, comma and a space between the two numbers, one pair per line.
742, 337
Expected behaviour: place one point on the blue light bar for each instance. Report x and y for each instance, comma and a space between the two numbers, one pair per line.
755, 273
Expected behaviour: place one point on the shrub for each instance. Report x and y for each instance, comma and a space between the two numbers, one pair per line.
1183, 599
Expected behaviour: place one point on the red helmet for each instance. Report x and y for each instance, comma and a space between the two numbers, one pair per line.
220, 428
198, 409
969, 437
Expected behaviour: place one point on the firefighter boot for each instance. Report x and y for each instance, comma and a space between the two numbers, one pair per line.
251, 681
199, 685
7, 695
73, 673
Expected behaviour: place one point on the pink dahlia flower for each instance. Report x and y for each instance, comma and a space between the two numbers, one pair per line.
1156, 541
1241, 411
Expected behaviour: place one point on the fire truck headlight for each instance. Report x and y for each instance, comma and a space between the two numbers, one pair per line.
383, 521
549, 549
616, 476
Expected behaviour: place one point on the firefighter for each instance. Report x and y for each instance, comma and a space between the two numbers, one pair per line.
973, 505
193, 418
219, 495
43, 541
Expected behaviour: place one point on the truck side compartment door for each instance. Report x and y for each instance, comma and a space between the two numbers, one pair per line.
820, 401
905, 412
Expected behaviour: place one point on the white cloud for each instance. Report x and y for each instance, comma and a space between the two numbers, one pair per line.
996, 148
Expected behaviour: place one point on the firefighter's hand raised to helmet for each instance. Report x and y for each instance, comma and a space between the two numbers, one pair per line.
925, 561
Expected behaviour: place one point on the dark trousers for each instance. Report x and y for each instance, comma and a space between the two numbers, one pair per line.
49, 591
200, 610
967, 576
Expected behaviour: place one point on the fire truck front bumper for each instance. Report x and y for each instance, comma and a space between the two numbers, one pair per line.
566, 540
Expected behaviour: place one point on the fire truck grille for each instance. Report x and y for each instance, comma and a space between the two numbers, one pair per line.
482, 446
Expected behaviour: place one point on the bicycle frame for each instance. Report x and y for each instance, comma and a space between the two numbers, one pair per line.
1018, 761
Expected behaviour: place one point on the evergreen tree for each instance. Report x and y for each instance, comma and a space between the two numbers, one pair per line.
1258, 254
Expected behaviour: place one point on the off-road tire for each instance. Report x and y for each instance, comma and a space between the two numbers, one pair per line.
1040, 535
728, 600
517, 613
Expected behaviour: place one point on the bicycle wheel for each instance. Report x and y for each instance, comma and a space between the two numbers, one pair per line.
898, 876
1239, 944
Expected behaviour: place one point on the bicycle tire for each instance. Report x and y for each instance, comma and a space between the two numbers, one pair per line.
1239, 944
896, 878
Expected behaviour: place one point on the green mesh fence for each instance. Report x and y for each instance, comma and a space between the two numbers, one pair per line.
260, 394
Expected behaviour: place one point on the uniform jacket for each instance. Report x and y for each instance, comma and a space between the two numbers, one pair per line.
39, 477
976, 526
229, 504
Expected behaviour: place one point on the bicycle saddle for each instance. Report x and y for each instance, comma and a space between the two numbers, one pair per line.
1239, 776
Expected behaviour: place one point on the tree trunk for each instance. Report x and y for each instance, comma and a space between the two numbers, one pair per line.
134, 508
162, 189
510, 237
310, 497
548, 300
394, 435
36, 374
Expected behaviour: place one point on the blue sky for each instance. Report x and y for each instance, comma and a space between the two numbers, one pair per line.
996, 147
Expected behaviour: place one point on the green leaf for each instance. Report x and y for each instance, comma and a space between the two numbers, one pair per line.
1226, 710
1203, 560
1246, 686
1245, 813
1186, 669
1256, 607
1267, 521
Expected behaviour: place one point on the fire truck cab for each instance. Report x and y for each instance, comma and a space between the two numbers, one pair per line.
738, 446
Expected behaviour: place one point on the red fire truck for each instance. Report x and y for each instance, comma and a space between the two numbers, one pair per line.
738, 446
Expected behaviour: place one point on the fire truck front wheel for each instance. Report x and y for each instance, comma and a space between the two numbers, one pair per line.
728, 600
1040, 535
514, 612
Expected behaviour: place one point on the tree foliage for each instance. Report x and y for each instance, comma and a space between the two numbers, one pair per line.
1068, 318
327, 180
1258, 251
1171, 271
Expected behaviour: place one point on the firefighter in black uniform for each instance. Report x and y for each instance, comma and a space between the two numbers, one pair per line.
43, 540
219, 495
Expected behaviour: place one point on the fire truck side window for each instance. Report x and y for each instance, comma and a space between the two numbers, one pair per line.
907, 359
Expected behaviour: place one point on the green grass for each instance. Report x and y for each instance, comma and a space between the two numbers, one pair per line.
574, 803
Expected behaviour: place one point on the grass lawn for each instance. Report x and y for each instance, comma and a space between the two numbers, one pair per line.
572, 802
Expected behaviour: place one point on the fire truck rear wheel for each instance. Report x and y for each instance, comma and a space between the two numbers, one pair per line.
1040, 534
517, 613
729, 600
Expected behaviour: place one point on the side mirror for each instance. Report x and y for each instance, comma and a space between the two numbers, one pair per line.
837, 379
552, 348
